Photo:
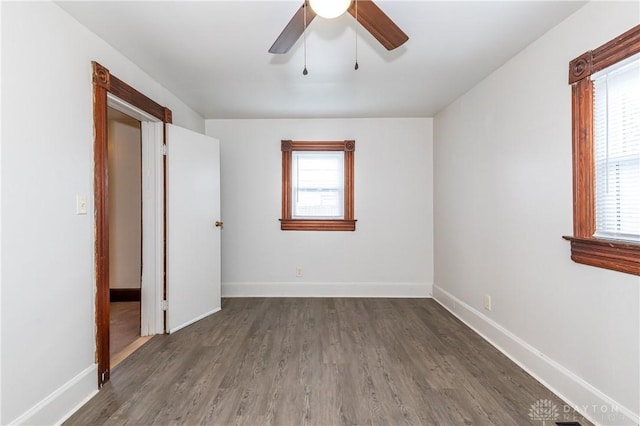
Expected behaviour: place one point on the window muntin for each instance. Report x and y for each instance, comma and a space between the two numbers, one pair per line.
616, 125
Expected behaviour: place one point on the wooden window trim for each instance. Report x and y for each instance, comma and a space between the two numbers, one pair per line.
616, 255
287, 223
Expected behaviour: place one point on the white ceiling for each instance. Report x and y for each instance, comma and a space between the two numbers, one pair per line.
213, 54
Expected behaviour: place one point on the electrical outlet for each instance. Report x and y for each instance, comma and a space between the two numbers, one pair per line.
298, 272
487, 302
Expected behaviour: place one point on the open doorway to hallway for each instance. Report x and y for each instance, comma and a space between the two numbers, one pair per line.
109, 91
125, 233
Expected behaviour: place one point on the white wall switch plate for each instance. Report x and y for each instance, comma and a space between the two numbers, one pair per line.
81, 204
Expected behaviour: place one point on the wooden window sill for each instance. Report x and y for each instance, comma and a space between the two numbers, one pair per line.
610, 254
317, 225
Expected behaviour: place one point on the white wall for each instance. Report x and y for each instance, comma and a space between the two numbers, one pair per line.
503, 200
389, 254
48, 283
125, 201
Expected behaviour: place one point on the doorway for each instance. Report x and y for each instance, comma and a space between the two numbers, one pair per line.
125, 234
109, 91
180, 217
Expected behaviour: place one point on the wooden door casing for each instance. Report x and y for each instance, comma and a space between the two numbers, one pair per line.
103, 84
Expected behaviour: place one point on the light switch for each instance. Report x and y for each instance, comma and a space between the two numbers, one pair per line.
81, 204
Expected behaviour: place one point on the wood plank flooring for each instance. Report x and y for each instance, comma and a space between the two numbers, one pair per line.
124, 325
320, 362
124, 331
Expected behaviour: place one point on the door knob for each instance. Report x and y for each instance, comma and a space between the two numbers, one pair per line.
219, 224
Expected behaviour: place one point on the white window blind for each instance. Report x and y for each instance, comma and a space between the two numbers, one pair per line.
617, 150
318, 184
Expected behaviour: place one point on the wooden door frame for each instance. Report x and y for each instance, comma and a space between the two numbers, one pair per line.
103, 83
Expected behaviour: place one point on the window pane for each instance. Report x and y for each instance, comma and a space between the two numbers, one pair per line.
318, 184
617, 151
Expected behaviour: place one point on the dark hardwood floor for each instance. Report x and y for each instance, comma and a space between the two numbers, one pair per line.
320, 362
124, 325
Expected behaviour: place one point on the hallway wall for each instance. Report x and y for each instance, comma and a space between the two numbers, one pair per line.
125, 201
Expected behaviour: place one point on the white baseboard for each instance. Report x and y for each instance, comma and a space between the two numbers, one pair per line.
188, 323
64, 401
334, 289
590, 402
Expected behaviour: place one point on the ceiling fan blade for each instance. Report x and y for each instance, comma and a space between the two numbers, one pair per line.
374, 20
292, 31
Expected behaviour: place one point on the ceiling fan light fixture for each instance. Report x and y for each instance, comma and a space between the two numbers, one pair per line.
329, 8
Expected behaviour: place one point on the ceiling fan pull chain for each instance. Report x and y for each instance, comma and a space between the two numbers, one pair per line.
304, 38
356, 66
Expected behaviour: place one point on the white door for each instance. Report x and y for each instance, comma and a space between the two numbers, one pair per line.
193, 239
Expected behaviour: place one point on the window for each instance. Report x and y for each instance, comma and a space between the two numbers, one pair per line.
606, 155
317, 186
317, 189
616, 126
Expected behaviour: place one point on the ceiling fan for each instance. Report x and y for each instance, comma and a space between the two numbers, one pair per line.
367, 13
